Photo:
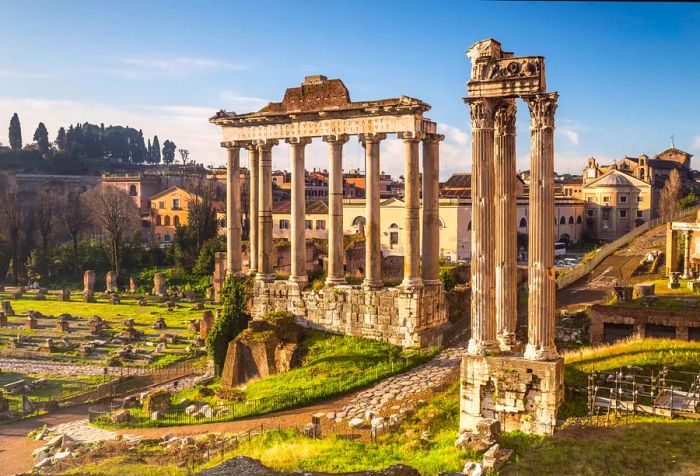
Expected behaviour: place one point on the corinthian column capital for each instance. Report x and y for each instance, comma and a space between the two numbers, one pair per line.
265, 144
542, 109
411, 136
298, 141
505, 117
482, 112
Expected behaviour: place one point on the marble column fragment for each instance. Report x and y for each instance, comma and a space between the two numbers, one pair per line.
298, 231
505, 229
253, 166
336, 248
411, 268
373, 256
430, 254
233, 210
265, 271
483, 339
541, 275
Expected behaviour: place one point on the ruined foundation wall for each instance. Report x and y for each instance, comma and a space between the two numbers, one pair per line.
681, 319
394, 315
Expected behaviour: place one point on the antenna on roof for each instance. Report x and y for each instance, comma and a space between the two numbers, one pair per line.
672, 141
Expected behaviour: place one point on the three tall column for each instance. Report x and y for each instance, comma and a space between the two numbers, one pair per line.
373, 263
541, 276
336, 249
298, 241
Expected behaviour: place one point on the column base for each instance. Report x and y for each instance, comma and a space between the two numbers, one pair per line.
432, 282
482, 347
508, 343
333, 281
534, 352
373, 283
266, 278
412, 283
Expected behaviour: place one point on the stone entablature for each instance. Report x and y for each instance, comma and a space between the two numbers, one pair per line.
639, 319
396, 315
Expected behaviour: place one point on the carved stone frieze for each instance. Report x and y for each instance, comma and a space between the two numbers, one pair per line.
542, 109
482, 112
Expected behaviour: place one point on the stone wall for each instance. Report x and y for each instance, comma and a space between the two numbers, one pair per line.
393, 315
521, 394
639, 318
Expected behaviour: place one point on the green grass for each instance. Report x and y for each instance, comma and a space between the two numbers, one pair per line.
125, 466
56, 384
647, 446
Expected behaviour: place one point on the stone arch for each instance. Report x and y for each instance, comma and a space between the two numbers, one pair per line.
562, 221
132, 190
159, 221
176, 220
359, 220
441, 223
578, 220
166, 220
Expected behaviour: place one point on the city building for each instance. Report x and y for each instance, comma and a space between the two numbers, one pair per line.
169, 209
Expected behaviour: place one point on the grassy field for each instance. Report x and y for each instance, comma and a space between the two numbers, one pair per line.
56, 384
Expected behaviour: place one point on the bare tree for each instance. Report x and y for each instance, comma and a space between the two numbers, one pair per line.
45, 216
115, 212
74, 216
670, 195
13, 217
184, 155
201, 214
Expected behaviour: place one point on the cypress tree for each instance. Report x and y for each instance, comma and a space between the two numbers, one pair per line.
41, 137
156, 150
15, 133
61, 140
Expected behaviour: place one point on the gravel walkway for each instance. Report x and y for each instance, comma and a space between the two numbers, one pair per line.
401, 386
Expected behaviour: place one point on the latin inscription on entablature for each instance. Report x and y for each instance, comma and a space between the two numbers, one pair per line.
353, 126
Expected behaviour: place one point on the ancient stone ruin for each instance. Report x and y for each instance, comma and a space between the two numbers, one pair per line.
411, 314
521, 390
159, 284
111, 280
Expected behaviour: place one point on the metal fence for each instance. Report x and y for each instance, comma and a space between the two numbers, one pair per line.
234, 410
608, 249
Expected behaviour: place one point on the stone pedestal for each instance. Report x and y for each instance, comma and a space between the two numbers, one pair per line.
7, 308
111, 280
62, 325
65, 295
89, 281
3, 319
206, 324
89, 297
132, 285
30, 323
159, 284
520, 394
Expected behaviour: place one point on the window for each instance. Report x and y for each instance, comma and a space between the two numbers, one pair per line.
166, 221
158, 221
176, 221
166, 238
176, 203
161, 205
562, 221
590, 212
640, 214
623, 199
523, 223
640, 199
623, 213
393, 238
606, 214
606, 199
132, 190
284, 224
320, 224
589, 199
159, 237
578, 219
469, 226
357, 221
309, 225
571, 220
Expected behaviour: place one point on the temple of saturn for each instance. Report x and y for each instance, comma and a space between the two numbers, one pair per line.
520, 389
410, 314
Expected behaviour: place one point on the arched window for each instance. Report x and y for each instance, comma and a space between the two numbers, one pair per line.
132, 190
562, 221
523, 223
442, 223
167, 220
578, 220
359, 220
176, 221
393, 235
469, 226
571, 220
158, 220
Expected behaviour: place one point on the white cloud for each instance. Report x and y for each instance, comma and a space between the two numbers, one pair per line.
135, 67
240, 104
187, 126
696, 142
569, 133
14, 74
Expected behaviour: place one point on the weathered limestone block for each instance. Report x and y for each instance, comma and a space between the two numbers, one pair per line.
65, 295
111, 281
205, 324
643, 289
89, 281
132, 285
7, 308
159, 284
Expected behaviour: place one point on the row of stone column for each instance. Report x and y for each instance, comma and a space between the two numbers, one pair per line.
494, 230
419, 267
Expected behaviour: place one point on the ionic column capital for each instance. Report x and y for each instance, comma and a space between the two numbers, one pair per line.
504, 120
298, 141
433, 138
265, 144
336, 139
482, 112
542, 109
236, 144
371, 138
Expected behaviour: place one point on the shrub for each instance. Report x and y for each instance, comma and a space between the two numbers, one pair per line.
447, 276
234, 318
230, 394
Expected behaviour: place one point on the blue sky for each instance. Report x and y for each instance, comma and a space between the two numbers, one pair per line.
628, 74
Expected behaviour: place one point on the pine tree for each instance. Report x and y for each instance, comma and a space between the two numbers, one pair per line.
169, 152
41, 137
15, 133
156, 151
61, 140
